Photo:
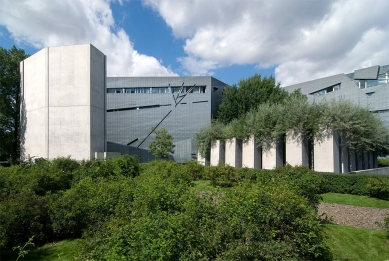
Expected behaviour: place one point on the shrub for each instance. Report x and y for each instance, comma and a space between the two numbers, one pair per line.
357, 184
245, 223
22, 216
222, 176
86, 204
378, 187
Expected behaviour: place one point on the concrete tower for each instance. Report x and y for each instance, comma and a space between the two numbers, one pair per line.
63, 103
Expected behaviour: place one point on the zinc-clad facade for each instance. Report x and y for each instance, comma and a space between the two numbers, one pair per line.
135, 105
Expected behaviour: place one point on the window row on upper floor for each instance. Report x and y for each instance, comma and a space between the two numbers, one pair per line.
184, 89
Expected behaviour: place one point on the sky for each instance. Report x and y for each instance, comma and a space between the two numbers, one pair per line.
292, 40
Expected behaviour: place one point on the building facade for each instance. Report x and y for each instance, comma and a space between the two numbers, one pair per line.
63, 103
181, 105
368, 87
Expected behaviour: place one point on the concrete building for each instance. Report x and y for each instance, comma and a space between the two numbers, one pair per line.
368, 87
67, 109
181, 105
63, 102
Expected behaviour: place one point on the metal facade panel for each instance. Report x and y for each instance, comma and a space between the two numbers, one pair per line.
369, 73
128, 124
374, 98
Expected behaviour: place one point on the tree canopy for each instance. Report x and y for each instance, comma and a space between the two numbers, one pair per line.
162, 145
247, 95
358, 128
10, 102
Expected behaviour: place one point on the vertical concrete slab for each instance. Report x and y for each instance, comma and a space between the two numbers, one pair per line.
366, 160
345, 160
296, 150
273, 156
353, 161
202, 160
359, 160
327, 155
233, 154
217, 153
251, 154
375, 163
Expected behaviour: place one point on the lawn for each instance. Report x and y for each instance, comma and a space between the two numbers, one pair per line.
64, 250
355, 200
351, 243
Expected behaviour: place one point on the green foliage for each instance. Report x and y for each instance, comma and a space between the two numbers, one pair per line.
23, 250
88, 203
22, 216
223, 176
10, 102
162, 145
358, 128
124, 165
358, 184
249, 93
384, 162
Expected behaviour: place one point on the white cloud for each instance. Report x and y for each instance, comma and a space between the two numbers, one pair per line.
44, 23
303, 39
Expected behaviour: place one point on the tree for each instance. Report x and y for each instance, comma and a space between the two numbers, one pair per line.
10, 102
248, 95
162, 145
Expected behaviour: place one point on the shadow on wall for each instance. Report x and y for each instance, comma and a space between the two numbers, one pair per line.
143, 155
22, 128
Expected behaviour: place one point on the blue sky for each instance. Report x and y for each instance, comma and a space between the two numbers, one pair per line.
293, 40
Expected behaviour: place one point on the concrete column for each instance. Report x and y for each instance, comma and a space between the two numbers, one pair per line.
273, 156
217, 153
327, 155
297, 150
365, 160
201, 160
345, 159
359, 160
353, 161
374, 160
233, 156
251, 154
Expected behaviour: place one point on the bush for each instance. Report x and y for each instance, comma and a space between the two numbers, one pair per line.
119, 166
86, 204
222, 176
383, 162
246, 223
22, 216
378, 187
357, 184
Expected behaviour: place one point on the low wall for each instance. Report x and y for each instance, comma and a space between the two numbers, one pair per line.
384, 170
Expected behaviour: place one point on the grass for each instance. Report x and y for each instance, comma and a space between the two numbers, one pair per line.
202, 185
351, 243
355, 200
65, 250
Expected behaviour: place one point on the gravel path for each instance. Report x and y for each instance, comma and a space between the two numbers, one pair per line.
353, 216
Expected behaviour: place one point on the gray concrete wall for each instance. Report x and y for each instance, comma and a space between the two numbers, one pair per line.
272, 156
327, 154
217, 153
251, 154
65, 106
296, 150
373, 171
233, 152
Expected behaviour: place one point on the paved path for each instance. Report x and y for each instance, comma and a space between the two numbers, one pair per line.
354, 216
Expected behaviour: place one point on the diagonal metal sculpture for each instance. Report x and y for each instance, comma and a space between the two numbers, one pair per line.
176, 101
